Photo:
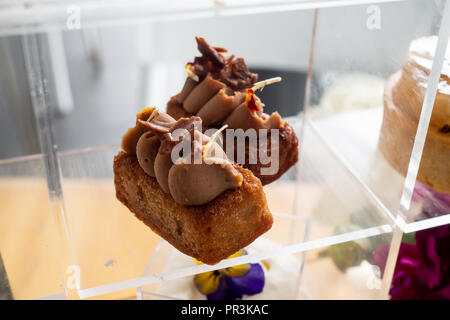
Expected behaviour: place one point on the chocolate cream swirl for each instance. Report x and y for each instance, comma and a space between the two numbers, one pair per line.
194, 178
216, 92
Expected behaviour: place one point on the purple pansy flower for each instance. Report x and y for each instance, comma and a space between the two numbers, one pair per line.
231, 283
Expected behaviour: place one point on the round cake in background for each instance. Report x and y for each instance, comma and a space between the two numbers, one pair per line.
403, 97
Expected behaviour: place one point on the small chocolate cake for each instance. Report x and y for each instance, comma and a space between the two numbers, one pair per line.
209, 208
220, 90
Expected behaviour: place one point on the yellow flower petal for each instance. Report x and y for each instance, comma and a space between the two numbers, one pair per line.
237, 254
240, 270
234, 255
237, 271
207, 282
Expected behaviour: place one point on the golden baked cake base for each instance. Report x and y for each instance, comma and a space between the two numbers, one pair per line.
397, 137
210, 232
288, 143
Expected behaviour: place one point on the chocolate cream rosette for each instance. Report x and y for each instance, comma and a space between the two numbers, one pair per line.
221, 91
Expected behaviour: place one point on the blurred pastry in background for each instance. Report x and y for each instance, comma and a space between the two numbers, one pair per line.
348, 91
403, 98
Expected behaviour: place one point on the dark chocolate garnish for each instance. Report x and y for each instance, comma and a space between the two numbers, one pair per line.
231, 71
211, 52
236, 75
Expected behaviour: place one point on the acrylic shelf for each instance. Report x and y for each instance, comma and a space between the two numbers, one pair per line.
109, 239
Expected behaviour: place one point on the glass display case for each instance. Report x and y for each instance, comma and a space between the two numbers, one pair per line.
73, 74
